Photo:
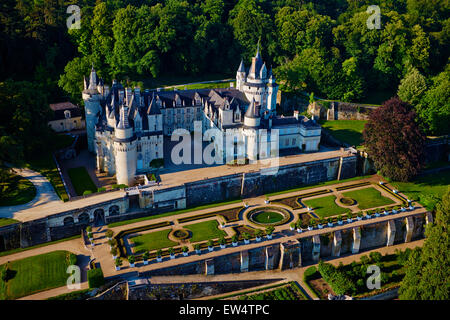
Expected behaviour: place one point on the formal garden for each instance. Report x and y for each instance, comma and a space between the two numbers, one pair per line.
243, 224
283, 291
350, 279
34, 274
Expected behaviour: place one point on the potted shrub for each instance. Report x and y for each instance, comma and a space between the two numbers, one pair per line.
330, 222
320, 223
197, 248
172, 253
246, 237
222, 224
112, 243
267, 200
131, 260
309, 208
368, 214
185, 251
411, 206
339, 220
145, 257
88, 229
298, 226
292, 226
311, 224
118, 263
245, 205
222, 242
158, 255
234, 240
386, 211
395, 191
258, 234
403, 209
377, 212
109, 234
114, 252
395, 209
349, 217
359, 216
210, 245
269, 231
90, 236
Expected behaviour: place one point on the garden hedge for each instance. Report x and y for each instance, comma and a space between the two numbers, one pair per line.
95, 278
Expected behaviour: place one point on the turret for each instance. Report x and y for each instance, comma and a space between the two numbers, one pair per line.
240, 76
251, 117
272, 92
125, 149
92, 107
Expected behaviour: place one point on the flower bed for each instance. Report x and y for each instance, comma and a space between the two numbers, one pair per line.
265, 216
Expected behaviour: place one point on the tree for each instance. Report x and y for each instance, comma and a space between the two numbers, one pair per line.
412, 87
427, 271
394, 140
434, 109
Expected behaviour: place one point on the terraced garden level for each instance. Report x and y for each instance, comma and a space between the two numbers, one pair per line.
152, 241
326, 206
368, 198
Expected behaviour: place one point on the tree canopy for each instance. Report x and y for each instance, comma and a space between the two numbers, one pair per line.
428, 268
394, 140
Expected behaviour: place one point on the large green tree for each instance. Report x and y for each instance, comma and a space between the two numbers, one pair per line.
428, 269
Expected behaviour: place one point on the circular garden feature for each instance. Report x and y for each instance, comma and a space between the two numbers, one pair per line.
346, 201
269, 216
180, 234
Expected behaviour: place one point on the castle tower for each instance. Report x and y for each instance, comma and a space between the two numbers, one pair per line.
240, 76
272, 94
251, 128
125, 150
92, 108
255, 85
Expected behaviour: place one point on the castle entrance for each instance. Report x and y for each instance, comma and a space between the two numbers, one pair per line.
99, 217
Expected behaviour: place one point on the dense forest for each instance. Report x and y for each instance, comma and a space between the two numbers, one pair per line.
320, 46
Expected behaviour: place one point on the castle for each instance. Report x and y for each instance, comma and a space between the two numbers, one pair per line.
126, 128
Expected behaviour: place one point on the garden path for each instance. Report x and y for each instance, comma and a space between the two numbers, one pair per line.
44, 193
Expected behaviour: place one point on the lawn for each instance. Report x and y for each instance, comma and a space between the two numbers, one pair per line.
152, 241
16, 190
325, 206
205, 230
81, 180
348, 131
212, 85
368, 198
7, 221
427, 189
35, 274
268, 217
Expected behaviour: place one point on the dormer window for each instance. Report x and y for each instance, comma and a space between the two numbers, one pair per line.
67, 114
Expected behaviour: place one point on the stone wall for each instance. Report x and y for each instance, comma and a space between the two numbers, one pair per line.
294, 253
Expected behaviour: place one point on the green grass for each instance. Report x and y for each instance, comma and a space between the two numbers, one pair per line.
152, 241
212, 85
81, 180
348, 131
7, 253
16, 190
174, 80
35, 274
204, 230
368, 198
172, 213
268, 217
322, 184
325, 206
7, 221
427, 189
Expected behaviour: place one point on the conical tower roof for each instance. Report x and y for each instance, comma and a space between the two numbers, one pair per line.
241, 66
251, 111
